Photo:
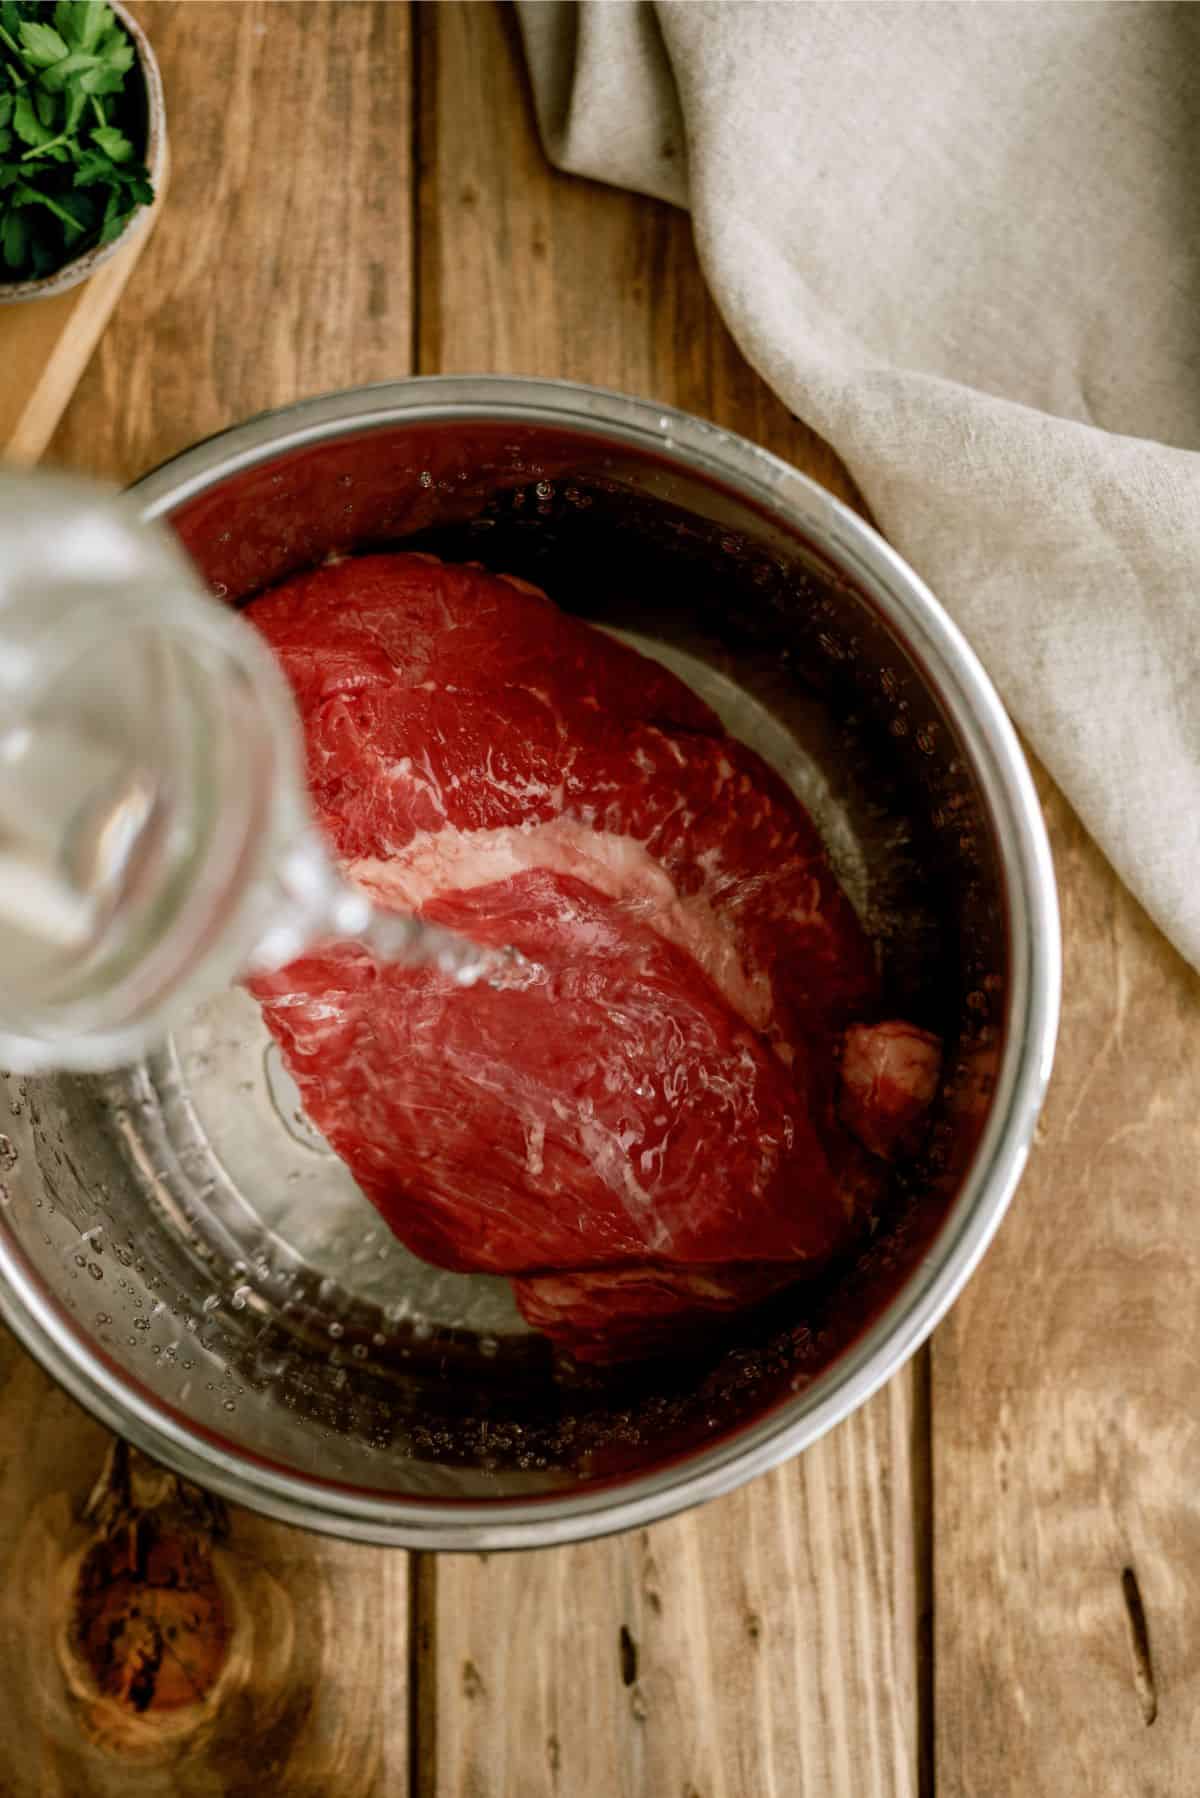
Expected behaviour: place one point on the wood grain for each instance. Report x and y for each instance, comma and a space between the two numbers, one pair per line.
266, 279
313, 1691
767, 1646
282, 265
1066, 1424
45, 346
763, 1646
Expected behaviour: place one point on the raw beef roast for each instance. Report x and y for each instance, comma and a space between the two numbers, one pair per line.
654, 1126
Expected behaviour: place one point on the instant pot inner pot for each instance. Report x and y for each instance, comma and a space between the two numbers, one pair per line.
192, 1224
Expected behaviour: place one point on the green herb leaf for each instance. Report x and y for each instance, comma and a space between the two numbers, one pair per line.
76, 102
114, 143
80, 216
59, 76
26, 124
24, 195
103, 79
97, 22
70, 174
93, 166
114, 225
139, 190
80, 23
41, 44
116, 46
13, 236
68, 21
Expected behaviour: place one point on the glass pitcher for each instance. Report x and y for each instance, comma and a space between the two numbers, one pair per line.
155, 835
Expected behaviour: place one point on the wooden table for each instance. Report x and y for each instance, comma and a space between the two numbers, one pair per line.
988, 1580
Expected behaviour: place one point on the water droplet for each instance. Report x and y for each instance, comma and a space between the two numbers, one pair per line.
96, 1272
8, 1155
102, 1318
211, 1302
488, 1346
230, 1404
379, 1340
425, 478
241, 1294
336, 1329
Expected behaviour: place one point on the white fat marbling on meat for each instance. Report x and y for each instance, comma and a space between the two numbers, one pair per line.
620, 867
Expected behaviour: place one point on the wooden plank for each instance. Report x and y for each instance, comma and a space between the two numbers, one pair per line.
281, 266
1066, 1429
767, 1645
45, 346
309, 1693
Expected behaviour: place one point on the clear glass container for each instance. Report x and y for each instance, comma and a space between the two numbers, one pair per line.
155, 837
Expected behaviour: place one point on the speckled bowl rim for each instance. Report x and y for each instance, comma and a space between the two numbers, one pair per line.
81, 267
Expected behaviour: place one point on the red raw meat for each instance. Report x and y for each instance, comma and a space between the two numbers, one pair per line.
889, 1078
647, 1131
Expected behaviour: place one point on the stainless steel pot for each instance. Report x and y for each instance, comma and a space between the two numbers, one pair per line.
183, 1254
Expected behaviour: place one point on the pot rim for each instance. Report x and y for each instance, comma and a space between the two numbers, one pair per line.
1004, 779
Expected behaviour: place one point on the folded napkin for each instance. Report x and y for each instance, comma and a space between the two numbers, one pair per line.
962, 242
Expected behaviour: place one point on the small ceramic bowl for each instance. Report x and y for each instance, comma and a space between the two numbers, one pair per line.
80, 267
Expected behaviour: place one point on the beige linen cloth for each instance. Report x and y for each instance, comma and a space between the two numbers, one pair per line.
962, 241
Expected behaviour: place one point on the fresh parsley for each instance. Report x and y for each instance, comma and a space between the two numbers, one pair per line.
71, 137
